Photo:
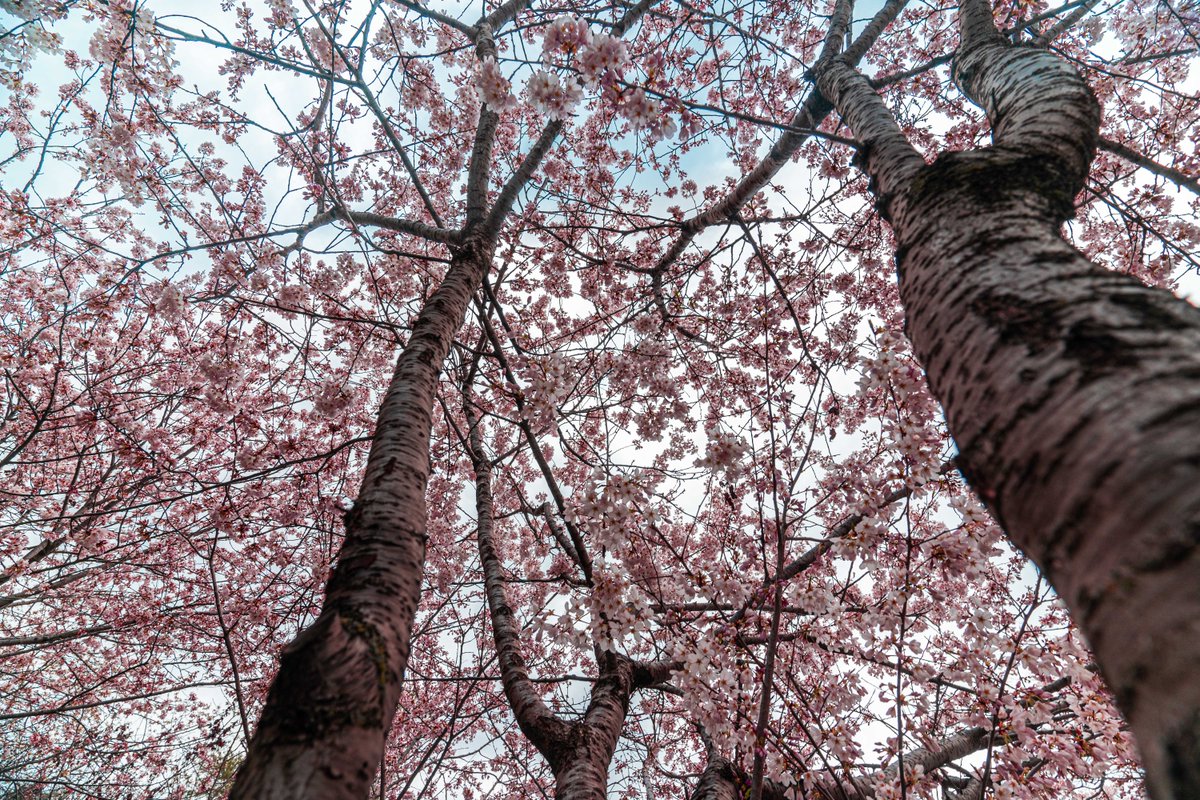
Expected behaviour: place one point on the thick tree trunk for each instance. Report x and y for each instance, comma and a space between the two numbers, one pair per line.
724, 780
1073, 392
719, 781
323, 729
1074, 397
585, 768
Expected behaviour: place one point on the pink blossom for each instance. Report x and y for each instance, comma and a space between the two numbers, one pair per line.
725, 452
121, 136
331, 400
170, 303
550, 96
494, 88
689, 126
639, 109
662, 127
566, 34
603, 59
291, 295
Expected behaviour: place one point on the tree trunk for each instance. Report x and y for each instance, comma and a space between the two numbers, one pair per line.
578, 752
580, 763
719, 781
1073, 392
584, 775
1074, 396
323, 729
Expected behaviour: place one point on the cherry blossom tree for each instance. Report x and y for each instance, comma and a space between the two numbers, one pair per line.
412, 398
1083, 360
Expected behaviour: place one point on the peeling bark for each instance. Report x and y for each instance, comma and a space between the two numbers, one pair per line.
1073, 392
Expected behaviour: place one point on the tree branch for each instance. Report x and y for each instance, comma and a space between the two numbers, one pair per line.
534, 718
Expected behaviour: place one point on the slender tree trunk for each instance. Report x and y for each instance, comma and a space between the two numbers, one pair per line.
323, 729
1073, 392
578, 752
580, 762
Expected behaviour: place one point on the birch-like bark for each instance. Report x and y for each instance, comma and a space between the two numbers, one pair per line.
1073, 392
324, 726
581, 762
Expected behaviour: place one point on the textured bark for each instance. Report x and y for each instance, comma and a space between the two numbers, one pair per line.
578, 752
534, 718
1073, 392
885, 153
580, 763
1074, 397
957, 746
719, 781
322, 731
724, 780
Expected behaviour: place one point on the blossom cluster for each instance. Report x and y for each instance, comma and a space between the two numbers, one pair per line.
888, 785
291, 296
609, 508
615, 611
865, 540
127, 35
644, 112
170, 303
894, 374
726, 453
647, 370
494, 88
94, 539
967, 549
599, 61
813, 597
221, 379
602, 60
19, 45
283, 12
547, 382
115, 156
712, 681
567, 34
331, 399
553, 97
